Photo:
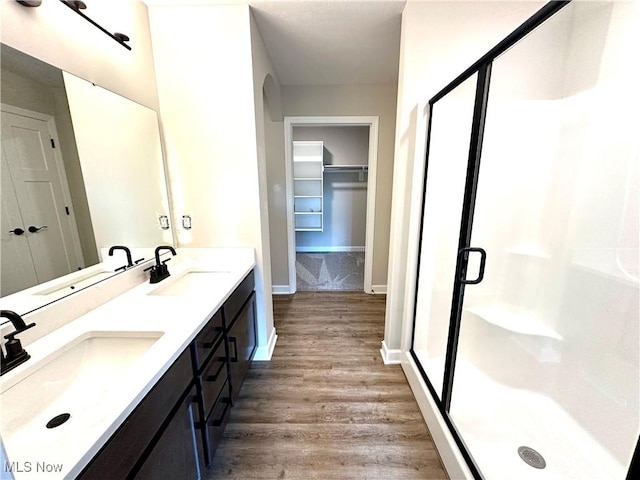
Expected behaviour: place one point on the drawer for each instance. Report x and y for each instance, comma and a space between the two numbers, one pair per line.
206, 341
215, 425
213, 378
234, 303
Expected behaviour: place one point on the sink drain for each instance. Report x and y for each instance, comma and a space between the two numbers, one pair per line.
531, 457
58, 420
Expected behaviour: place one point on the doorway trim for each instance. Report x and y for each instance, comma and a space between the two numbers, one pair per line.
333, 121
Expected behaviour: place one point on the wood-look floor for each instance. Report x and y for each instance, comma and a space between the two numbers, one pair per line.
325, 406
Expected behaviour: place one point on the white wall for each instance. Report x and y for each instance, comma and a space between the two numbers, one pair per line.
343, 145
208, 113
358, 100
345, 196
56, 35
268, 125
277, 196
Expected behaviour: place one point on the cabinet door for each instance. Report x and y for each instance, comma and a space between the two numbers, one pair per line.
135, 437
242, 345
176, 454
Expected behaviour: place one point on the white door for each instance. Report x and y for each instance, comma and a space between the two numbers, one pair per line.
37, 178
16, 264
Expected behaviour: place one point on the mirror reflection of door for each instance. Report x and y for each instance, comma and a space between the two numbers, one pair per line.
39, 235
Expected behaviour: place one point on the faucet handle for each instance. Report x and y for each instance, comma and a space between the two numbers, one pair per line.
10, 336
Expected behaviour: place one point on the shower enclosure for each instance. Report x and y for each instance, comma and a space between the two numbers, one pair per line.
527, 305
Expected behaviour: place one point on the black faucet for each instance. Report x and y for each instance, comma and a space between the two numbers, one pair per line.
127, 251
160, 271
15, 353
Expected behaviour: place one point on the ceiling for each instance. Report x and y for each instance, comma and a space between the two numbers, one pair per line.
22, 64
326, 42
331, 42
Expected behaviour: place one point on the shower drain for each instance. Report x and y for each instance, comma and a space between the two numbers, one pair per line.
531, 457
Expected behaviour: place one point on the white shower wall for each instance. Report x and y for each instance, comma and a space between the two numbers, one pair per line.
549, 345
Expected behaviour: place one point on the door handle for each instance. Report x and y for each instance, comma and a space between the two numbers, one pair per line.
33, 229
17, 231
463, 263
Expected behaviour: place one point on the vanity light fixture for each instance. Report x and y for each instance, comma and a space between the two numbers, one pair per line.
30, 3
77, 5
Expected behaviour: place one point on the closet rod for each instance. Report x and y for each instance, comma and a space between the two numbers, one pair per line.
343, 168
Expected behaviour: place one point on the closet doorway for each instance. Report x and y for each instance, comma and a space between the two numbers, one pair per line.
320, 231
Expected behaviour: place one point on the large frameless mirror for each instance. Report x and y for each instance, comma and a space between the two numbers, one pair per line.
82, 170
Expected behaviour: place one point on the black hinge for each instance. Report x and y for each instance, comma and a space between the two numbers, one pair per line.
66, 209
53, 144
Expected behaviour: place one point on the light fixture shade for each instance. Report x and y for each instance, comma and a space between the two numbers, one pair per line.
30, 3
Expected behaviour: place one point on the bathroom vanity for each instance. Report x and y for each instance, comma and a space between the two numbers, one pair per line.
148, 379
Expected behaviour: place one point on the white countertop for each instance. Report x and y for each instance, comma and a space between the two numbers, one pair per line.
178, 316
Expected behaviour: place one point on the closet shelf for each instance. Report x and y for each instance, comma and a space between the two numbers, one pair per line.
514, 322
308, 186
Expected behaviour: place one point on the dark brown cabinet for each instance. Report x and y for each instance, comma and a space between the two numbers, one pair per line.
242, 345
239, 326
176, 455
174, 431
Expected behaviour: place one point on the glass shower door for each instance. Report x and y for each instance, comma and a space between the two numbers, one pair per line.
546, 372
450, 133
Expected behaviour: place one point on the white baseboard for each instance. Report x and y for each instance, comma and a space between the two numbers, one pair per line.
379, 289
280, 289
330, 248
448, 450
390, 355
264, 352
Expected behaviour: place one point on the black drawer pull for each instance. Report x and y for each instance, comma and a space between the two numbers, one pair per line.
217, 423
235, 349
211, 344
214, 377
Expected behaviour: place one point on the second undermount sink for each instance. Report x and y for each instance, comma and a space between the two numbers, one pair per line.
76, 283
192, 282
78, 380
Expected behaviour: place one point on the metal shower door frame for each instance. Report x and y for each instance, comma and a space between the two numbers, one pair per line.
483, 68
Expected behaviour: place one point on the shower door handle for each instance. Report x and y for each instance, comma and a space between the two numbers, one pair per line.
462, 262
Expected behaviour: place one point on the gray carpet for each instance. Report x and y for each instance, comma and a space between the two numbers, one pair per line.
330, 271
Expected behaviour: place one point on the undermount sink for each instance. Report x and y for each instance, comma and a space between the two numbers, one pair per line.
77, 283
77, 379
192, 282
